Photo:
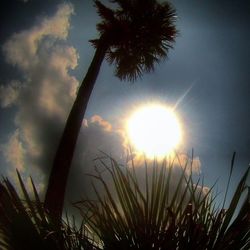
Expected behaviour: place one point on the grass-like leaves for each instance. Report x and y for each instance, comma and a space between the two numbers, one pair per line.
25, 225
158, 215
165, 209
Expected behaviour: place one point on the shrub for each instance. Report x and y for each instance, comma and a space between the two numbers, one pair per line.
157, 216
25, 225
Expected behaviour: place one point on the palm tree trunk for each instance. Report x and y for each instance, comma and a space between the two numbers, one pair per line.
54, 198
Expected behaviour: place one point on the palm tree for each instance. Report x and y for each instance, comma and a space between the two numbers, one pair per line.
133, 37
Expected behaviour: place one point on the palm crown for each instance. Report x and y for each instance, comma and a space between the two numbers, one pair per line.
139, 33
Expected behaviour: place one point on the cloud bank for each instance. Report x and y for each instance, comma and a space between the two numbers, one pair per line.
43, 99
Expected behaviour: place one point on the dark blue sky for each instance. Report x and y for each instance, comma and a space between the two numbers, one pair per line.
211, 59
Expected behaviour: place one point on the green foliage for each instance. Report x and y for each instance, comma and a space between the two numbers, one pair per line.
157, 215
25, 225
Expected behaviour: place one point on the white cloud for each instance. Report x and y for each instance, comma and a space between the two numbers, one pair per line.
98, 135
100, 121
189, 164
14, 151
45, 96
178, 160
202, 191
9, 93
22, 49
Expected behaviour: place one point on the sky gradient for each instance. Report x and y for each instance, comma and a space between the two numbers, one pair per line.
45, 53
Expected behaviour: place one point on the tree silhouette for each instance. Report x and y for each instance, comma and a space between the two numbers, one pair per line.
134, 37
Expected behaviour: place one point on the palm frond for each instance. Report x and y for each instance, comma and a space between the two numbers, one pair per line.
25, 225
139, 34
154, 215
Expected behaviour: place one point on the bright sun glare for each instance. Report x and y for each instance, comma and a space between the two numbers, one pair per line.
154, 130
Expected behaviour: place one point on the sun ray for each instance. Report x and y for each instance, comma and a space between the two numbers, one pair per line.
182, 97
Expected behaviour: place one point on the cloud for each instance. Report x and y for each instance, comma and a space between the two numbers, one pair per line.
101, 122
22, 49
190, 164
9, 93
178, 160
46, 94
202, 191
97, 136
14, 151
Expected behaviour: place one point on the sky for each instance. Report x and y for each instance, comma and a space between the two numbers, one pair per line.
45, 53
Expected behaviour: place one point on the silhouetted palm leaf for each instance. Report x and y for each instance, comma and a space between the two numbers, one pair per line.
157, 216
25, 225
139, 34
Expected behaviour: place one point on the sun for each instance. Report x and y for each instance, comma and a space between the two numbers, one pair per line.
154, 130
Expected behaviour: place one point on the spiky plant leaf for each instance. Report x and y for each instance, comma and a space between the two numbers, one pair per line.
25, 225
139, 34
157, 216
